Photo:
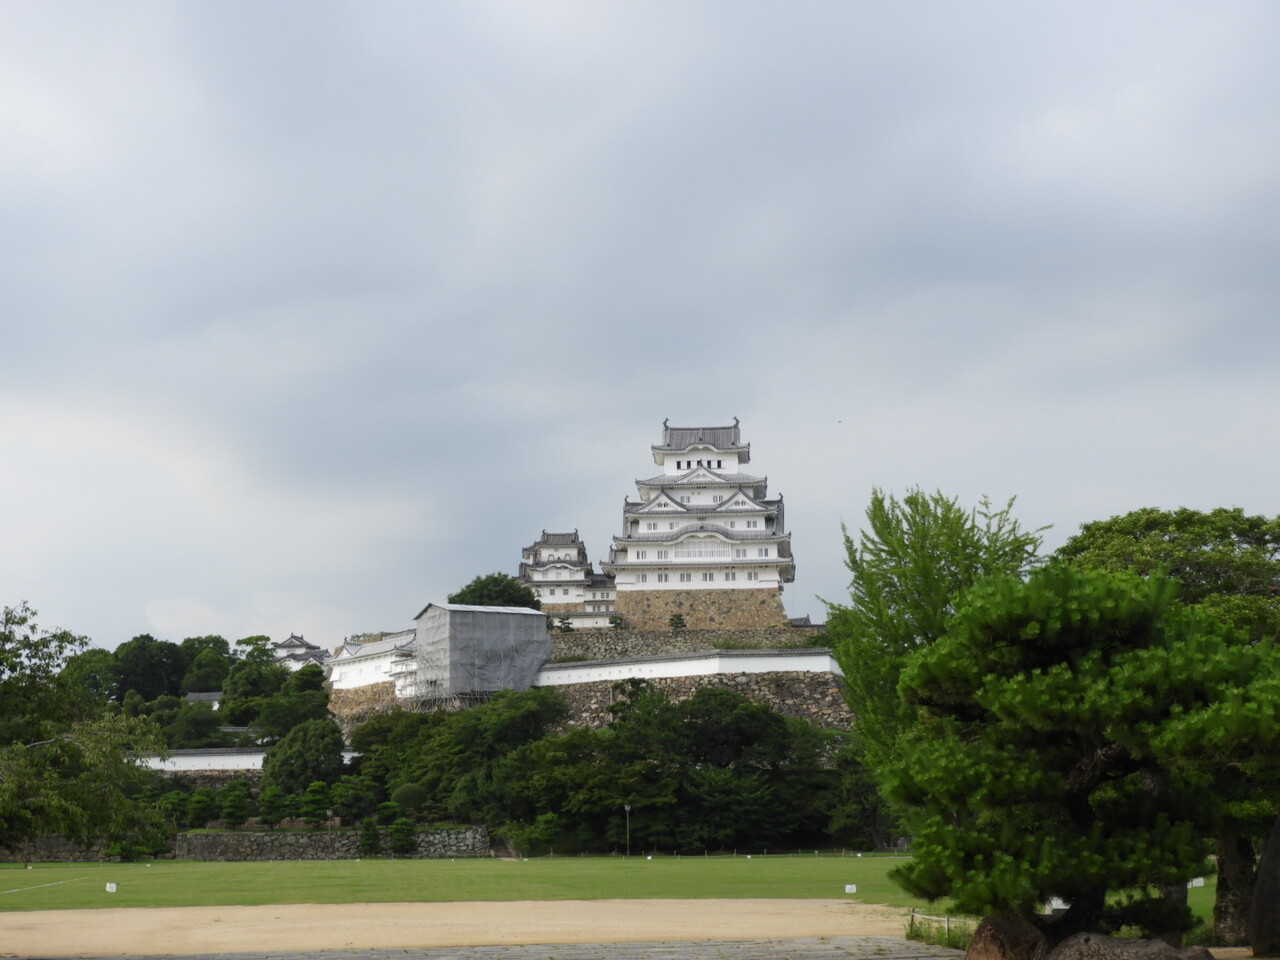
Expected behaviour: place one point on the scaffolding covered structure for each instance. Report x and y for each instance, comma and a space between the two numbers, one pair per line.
465, 650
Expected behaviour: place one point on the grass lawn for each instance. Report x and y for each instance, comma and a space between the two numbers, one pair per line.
167, 883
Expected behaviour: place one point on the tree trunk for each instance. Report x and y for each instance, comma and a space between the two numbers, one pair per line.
1235, 886
1264, 919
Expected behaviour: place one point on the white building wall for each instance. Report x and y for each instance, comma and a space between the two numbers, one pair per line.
690, 665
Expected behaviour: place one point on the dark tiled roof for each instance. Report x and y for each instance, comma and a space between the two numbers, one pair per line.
721, 438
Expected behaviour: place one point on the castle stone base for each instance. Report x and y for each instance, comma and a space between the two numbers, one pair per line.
702, 609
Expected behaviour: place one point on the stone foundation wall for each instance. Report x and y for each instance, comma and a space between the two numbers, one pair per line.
702, 609
815, 697
54, 850
357, 705
613, 644
467, 841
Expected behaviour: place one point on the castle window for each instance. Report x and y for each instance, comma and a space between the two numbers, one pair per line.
642, 554
651, 526
740, 552
686, 577
763, 551
663, 577
664, 554
565, 591
718, 498
752, 575
753, 523
643, 578
707, 577
731, 576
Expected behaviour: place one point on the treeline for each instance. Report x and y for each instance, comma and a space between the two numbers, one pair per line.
260, 702
712, 772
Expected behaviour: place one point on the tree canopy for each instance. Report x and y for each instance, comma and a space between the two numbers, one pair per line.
497, 590
1228, 563
1073, 723
909, 565
63, 771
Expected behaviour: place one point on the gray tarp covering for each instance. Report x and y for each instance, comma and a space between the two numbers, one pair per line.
467, 649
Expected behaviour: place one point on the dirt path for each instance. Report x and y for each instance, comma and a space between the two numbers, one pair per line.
184, 930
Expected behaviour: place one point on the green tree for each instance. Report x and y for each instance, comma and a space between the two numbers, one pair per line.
152, 667
314, 805
370, 837
277, 715
64, 772
1073, 722
273, 806
207, 673
84, 782
233, 803
202, 806
94, 672
354, 797
410, 797
676, 622
1229, 563
402, 837
909, 566
196, 725
310, 751
497, 590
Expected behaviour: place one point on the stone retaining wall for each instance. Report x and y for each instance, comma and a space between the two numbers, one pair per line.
357, 705
815, 697
54, 850
702, 609
447, 842
611, 644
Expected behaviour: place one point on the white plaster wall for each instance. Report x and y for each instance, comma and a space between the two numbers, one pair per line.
817, 661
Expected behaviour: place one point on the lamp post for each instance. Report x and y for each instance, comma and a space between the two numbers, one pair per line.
627, 808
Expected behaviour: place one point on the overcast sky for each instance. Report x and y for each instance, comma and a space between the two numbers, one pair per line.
312, 311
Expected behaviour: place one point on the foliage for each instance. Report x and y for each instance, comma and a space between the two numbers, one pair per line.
233, 803
410, 797
152, 667
354, 797
1072, 723
32, 693
94, 673
370, 842
909, 567
314, 804
202, 806
310, 751
64, 772
1229, 563
497, 590
207, 673
1223, 559
676, 621
402, 837
274, 805
83, 783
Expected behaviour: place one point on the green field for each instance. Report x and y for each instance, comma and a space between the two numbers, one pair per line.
167, 883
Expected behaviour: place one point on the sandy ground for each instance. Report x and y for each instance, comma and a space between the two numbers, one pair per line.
389, 925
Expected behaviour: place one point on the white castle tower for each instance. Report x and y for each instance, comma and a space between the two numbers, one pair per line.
703, 540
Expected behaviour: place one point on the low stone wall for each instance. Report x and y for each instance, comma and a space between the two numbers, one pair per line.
702, 609
54, 850
815, 697
584, 645
446, 842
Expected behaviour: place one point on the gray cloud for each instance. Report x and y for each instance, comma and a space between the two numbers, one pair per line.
314, 311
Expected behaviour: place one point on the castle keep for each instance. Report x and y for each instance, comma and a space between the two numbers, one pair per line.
702, 540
